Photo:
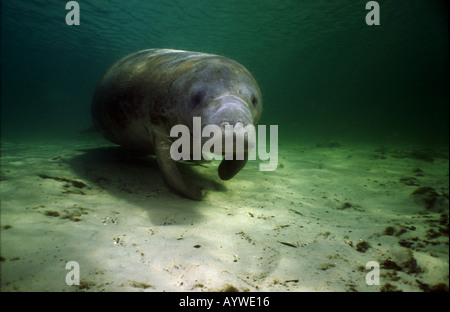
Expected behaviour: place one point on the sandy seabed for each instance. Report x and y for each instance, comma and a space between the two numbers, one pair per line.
311, 225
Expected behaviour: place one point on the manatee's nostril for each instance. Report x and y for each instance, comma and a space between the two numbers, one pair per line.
225, 123
239, 125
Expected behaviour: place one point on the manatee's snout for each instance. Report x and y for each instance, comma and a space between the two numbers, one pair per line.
231, 110
235, 119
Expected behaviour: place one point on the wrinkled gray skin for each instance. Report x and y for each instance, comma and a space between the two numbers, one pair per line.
142, 96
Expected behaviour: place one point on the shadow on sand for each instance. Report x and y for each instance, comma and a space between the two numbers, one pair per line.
138, 181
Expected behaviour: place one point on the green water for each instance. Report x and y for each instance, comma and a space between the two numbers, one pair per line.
324, 73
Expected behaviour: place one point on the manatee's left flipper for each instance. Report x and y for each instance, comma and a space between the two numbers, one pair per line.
170, 170
229, 168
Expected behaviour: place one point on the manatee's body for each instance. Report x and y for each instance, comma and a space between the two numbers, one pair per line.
142, 96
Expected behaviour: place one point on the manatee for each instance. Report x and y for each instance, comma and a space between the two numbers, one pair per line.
143, 95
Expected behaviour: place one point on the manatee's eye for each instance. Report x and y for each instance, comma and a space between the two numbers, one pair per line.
254, 101
197, 98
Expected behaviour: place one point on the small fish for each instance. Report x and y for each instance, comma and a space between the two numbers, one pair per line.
288, 244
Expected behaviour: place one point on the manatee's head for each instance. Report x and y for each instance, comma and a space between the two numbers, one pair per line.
223, 93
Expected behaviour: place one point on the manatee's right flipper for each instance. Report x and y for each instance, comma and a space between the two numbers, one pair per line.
170, 170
